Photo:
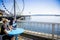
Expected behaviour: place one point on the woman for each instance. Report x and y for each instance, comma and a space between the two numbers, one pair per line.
4, 29
13, 23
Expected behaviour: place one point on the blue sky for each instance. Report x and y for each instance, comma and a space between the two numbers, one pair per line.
35, 6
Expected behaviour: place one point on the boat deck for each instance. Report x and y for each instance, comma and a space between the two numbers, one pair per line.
31, 37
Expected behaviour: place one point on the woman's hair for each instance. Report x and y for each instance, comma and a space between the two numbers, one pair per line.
5, 20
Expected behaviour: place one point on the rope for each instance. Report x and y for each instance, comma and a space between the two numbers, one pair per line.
6, 8
18, 7
20, 11
23, 6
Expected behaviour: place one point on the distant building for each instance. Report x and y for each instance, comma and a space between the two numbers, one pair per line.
1, 12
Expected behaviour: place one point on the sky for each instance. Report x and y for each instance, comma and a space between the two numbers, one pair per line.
34, 6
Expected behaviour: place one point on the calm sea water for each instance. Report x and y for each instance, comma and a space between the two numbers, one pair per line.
46, 18
44, 27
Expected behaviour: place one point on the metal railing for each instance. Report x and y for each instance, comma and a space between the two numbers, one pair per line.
41, 27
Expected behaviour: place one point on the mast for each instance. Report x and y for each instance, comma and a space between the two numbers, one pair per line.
15, 9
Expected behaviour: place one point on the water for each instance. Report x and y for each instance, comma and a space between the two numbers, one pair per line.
38, 27
55, 19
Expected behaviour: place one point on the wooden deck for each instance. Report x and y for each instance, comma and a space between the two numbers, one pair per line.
39, 34
31, 37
